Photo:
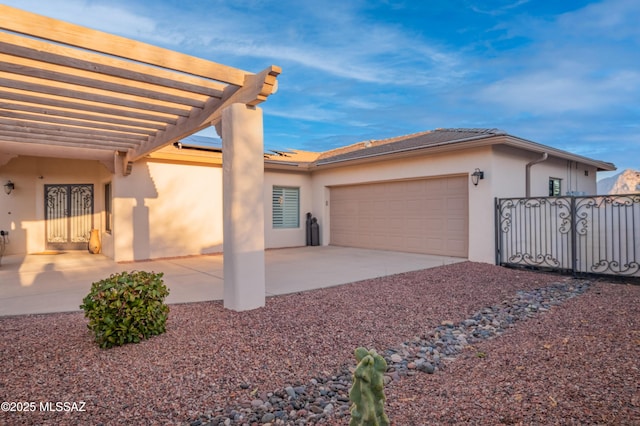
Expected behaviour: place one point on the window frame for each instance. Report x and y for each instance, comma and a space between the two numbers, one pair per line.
285, 207
108, 207
552, 187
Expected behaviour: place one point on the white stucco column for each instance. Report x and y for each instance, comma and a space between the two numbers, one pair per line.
243, 207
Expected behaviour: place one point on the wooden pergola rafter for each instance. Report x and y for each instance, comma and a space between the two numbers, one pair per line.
92, 95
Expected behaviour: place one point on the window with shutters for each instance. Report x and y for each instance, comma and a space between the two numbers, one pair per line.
286, 207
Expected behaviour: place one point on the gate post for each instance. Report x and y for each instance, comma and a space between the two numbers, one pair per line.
574, 238
498, 235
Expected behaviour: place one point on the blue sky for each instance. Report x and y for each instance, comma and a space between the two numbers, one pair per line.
561, 73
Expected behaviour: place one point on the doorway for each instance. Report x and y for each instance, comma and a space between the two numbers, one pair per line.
68, 216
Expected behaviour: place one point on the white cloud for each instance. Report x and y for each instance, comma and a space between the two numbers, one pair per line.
500, 10
609, 19
335, 39
550, 92
104, 17
306, 113
574, 64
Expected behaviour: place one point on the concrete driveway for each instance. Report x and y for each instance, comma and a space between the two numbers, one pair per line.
46, 283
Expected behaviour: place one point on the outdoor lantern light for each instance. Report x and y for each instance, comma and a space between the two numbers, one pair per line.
476, 176
8, 187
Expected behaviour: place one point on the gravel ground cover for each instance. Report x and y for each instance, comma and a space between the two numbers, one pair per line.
576, 363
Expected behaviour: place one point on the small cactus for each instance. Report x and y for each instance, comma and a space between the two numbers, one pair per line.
366, 394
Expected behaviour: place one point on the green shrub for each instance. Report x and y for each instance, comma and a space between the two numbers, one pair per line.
126, 308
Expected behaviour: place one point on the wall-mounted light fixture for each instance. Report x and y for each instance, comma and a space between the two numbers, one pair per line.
476, 176
8, 187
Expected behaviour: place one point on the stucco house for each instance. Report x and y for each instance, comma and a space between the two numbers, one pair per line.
93, 135
415, 193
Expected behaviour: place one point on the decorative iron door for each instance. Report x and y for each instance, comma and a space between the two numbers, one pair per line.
68, 216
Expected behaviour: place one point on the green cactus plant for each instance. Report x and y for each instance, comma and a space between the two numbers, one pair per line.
367, 393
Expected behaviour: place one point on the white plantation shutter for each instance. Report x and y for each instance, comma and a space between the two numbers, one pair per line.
286, 207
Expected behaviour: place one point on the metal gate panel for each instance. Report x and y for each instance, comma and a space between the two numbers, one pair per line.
607, 234
535, 232
595, 234
68, 215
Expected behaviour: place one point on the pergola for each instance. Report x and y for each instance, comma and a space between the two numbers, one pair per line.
68, 91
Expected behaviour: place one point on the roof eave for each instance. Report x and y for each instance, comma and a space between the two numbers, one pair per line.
514, 141
286, 165
458, 144
478, 141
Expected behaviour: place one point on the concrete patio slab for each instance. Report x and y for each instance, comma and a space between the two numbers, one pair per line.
46, 283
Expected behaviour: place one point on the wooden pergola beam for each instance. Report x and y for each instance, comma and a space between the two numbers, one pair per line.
45, 28
53, 101
256, 89
21, 69
95, 95
49, 53
86, 121
60, 130
72, 142
75, 85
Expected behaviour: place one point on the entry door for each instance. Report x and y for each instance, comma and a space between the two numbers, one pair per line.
68, 216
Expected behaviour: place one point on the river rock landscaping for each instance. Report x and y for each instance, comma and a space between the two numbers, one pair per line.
466, 344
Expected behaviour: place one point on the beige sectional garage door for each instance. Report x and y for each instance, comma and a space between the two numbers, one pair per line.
419, 216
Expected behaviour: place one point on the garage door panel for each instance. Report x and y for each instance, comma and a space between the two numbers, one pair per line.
456, 226
434, 206
377, 240
456, 205
365, 224
365, 206
423, 216
415, 244
434, 245
434, 226
458, 186
396, 224
456, 245
379, 205
414, 207
415, 223
415, 189
395, 207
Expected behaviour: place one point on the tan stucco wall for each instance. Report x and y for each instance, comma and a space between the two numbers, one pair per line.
292, 237
165, 209
504, 176
22, 212
510, 164
458, 163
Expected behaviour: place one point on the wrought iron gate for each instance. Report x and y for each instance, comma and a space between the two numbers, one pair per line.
69, 216
594, 234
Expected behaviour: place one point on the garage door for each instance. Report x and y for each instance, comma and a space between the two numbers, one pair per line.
420, 216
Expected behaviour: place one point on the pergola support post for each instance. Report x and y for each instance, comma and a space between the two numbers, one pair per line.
243, 207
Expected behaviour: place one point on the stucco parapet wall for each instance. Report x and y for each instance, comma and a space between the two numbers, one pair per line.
422, 143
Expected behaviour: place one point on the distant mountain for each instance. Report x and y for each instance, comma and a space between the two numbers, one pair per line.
627, 182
